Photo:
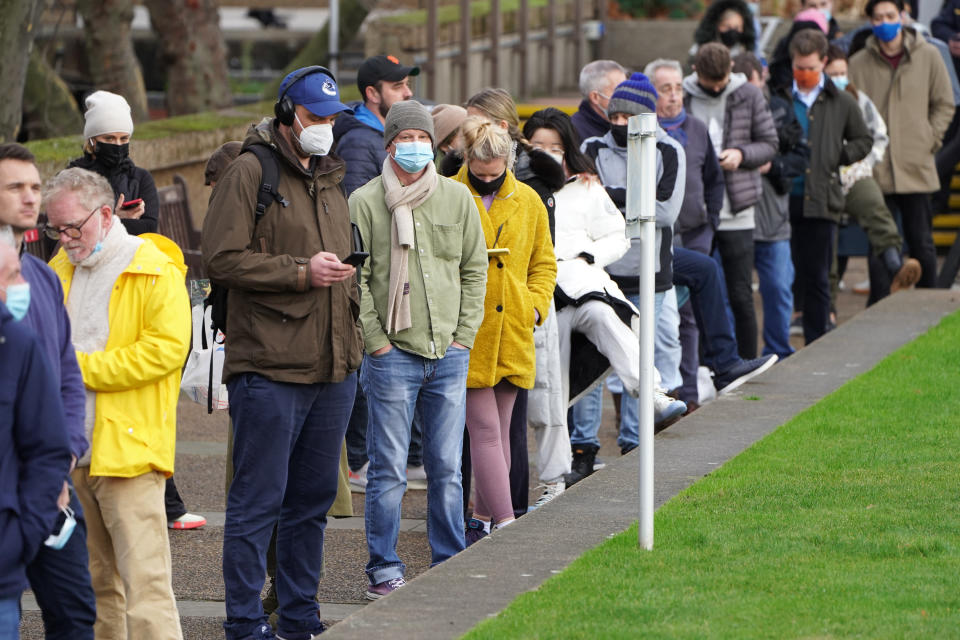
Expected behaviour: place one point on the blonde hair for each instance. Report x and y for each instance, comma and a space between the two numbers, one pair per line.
499, 106
484, 140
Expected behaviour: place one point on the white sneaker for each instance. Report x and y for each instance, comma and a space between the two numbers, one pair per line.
358, 479
551, 491
666, 408
416, 478
187, 521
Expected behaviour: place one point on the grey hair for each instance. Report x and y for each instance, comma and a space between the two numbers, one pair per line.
594, 75
91, 188
662, 63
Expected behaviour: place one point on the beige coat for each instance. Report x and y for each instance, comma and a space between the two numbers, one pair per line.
916, 102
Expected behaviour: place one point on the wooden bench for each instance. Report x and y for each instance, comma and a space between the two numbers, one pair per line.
177, 224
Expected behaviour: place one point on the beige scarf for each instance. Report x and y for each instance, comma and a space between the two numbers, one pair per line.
402, 201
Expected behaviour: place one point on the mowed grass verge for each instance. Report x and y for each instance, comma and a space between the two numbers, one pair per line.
843, 523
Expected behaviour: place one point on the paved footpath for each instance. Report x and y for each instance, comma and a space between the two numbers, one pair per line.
541, 543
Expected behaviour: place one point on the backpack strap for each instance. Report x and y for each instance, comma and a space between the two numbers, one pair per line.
269, 179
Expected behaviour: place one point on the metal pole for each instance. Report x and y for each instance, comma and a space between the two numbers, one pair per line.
333, 37
431, 66
464, 50
641, 221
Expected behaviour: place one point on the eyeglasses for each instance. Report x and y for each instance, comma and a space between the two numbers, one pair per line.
72, 231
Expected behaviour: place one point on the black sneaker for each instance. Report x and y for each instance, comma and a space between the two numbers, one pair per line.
584, 455
475, 531
734, 377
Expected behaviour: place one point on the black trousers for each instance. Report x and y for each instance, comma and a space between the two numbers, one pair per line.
916, 214
736, 257
811, 245
173, 501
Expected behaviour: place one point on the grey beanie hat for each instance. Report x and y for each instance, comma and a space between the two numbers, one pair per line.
408, 114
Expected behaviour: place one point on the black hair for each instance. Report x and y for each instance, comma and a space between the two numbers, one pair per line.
871, 5
14, 151
552, 118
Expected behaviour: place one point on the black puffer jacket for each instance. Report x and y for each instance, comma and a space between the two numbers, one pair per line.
133, 182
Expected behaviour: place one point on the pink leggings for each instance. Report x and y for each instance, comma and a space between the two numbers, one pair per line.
488, 422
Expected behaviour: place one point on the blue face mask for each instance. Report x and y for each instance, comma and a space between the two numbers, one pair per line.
840, 82
827, 14
886, 31
59, 540
413, 156
18, 300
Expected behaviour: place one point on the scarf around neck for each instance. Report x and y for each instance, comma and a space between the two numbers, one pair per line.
674, 127
401, 201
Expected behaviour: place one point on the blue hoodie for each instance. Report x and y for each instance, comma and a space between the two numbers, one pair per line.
360, 144
34, 451
48, 318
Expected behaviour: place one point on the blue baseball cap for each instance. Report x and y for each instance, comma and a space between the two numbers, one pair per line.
317, 92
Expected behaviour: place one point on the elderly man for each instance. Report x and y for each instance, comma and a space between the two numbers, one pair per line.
421, 304
34, 449
598, 79
293, 348
59, 578
131, 330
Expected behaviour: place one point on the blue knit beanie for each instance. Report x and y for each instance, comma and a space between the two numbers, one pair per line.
633, 96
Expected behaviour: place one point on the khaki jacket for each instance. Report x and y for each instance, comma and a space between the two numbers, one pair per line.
277, 325
916, 102
517, 285
137, 375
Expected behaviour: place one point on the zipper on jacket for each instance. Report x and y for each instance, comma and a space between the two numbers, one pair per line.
325, 210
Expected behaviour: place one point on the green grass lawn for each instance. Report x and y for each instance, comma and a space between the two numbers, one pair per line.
843, 523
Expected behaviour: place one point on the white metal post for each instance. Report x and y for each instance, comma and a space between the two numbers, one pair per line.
641, 222
333, 37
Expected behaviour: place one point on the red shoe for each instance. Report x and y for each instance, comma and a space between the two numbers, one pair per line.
187, 521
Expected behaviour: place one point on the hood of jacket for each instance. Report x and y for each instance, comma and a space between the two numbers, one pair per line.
692, 88
707, 29
362, 117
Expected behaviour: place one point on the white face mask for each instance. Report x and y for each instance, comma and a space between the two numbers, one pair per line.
556, 156
315, 139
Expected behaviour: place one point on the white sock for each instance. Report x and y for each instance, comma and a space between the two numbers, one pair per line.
501, 525
486, 525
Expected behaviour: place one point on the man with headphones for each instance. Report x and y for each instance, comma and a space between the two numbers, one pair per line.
292, 352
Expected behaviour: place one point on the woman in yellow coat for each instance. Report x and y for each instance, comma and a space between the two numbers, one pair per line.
520, 282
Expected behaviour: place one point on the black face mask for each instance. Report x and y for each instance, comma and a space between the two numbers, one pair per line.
730, 38
486, 188
711, 92
619, 132
111, 155
450, 163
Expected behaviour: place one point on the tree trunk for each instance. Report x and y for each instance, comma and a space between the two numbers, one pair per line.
49, 108
16, 40
352, 15
113, 64
194, 54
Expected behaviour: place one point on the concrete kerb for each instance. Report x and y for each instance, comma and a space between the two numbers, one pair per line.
450, 599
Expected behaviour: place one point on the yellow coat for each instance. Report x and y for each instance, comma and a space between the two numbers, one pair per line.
517, 284
137, 375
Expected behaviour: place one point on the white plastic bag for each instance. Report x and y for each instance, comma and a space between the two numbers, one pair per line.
196, 375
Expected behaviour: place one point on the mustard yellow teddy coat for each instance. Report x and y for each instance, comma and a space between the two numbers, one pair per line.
517, 284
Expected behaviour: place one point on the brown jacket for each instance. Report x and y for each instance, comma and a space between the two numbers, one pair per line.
277, 325
916, 102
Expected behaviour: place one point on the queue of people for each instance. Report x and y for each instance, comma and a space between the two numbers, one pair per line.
425, 285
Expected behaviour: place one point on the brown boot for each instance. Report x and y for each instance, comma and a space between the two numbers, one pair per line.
908, 275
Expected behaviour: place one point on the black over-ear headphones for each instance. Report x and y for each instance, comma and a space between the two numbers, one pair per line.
284, 108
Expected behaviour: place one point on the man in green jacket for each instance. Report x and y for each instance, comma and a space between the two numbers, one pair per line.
907, 79
421, 303
834, 129
293, 347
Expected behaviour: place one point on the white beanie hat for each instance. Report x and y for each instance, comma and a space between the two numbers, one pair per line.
106, 113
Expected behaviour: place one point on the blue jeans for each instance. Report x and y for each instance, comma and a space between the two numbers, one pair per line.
357, 435
775, 272
10, 618
396, 384
60, 579
286, 460
703, 276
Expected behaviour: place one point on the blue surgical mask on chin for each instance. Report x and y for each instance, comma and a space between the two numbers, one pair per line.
886, 31
59, 540
413, 156
18, 300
